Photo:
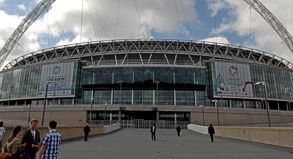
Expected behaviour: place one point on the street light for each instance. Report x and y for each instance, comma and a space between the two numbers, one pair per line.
54, 92
105, 111
215, 101
45, 99
120, 91
92, 100
266, 99
10, 87
157, 94
202, 114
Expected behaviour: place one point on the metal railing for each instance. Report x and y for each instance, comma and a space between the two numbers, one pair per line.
143, 124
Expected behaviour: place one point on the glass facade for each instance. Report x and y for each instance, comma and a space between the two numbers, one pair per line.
166, 85
278, 83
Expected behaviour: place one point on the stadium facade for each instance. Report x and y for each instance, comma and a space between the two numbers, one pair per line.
149, 79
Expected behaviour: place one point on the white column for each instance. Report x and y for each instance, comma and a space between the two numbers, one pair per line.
195, 101
175, 97
112, 92
132, 92
154, 97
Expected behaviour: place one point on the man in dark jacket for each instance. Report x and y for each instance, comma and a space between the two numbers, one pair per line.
86, 131
211, 131
178, 129
153, 132
31, 140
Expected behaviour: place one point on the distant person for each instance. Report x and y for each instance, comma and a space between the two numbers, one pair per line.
11, 147
31, 140
211, 131
2, 131
178, 129
153, 132
50, 143
86, 131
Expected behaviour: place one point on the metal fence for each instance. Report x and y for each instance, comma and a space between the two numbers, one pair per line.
143, 124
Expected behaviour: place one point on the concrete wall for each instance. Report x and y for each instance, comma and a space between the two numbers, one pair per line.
110, 128
76, 114
268, 135
198, 128
68, 132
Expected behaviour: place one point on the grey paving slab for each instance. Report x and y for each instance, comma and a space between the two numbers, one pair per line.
137, 144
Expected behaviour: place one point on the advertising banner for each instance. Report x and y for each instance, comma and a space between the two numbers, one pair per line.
233, 79
59, 77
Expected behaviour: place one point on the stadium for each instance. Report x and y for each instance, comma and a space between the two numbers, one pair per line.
149, 80
146, 80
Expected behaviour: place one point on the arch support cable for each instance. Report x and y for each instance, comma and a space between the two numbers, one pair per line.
273, 22
24, 25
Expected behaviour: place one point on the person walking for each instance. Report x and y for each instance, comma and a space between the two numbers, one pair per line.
86, 131
153, 132
211, 131
2, 131
178, 129
11, 147
31, 140
50, 143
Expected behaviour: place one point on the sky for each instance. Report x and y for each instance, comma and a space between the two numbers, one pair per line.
74, 21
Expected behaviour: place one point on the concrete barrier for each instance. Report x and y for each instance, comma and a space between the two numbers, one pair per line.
110, 128
198, 128
67, 132
277, 136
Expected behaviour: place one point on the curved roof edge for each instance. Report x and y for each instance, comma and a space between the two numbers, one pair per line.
199, 49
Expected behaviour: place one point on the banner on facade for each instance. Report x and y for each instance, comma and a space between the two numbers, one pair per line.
233, 79
60, 79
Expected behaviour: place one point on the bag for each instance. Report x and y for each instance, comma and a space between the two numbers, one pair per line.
5, 155
180, 133
18, 154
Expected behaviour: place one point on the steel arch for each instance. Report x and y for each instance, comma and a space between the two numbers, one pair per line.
24, 25
45, 4
272, 21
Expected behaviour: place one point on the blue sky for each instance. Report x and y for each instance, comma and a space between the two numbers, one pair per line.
222, 21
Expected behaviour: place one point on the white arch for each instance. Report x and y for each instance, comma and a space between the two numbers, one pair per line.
45, 4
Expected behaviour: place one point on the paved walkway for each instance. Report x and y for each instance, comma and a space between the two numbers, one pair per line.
137, 144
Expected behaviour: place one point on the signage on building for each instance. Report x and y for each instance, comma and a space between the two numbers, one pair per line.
233, 79
60, 78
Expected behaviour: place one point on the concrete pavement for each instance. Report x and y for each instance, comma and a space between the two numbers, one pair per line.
137, 144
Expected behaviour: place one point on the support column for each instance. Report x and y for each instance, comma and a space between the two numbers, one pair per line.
112, 92
175, 97
132, 96
195, 101
119, 116
154, 97
157, 116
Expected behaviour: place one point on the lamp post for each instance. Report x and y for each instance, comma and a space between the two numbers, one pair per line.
266, 99
92, 100
10, 87
45, 99
120, 90
105, 111
215, 101
157, 93
202, 114
54, 92
29, 114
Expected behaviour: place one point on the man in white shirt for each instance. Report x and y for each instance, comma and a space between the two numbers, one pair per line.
2, 131
153, 132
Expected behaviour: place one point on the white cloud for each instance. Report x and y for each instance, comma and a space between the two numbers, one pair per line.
22, 7
219, 39
66, 14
